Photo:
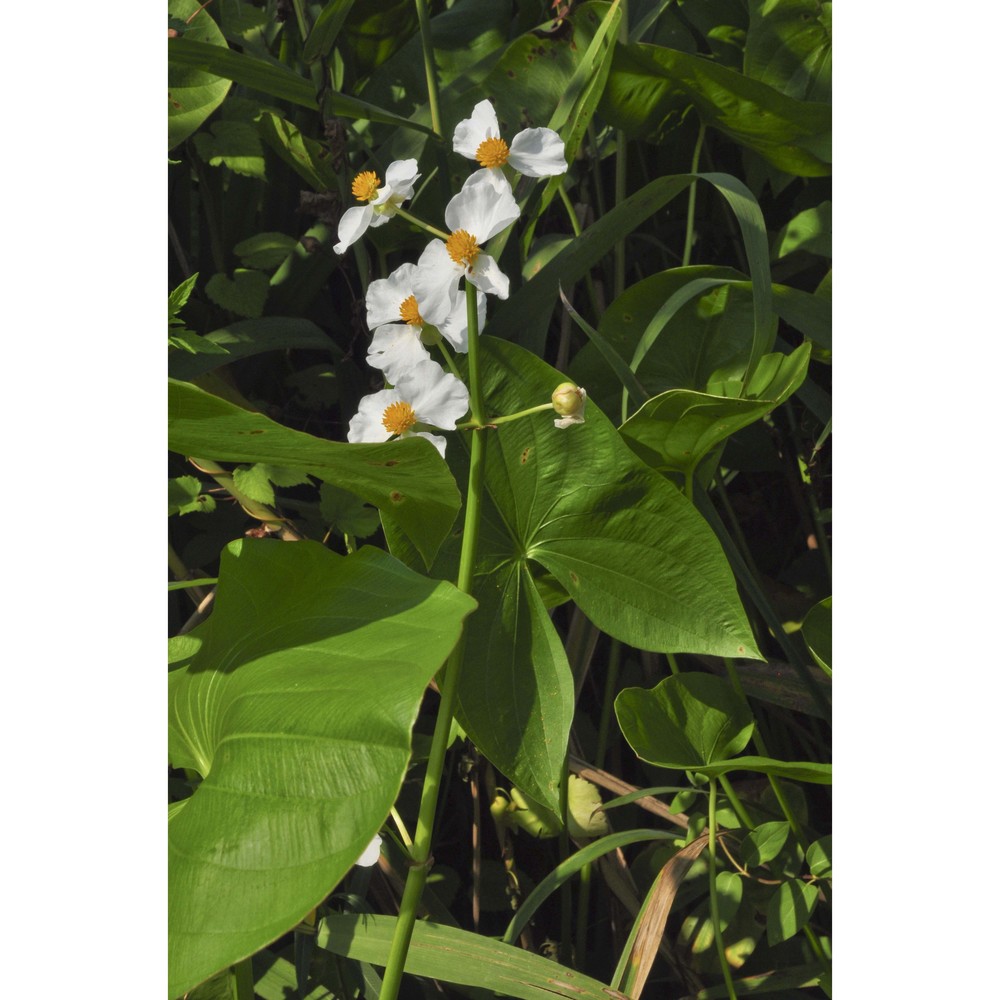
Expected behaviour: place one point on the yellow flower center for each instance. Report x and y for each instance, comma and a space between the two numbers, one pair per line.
462, 248
409, 312
365, 186
398, 417
492, 153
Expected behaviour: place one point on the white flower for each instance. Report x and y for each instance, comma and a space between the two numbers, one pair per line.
535, 152
568, 401
381, 202
370, 854
484, 207
426, 394
397, 347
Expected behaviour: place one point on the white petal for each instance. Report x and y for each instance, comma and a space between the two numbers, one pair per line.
395, 349
538, 152
371, 853
564, 422
352, 226
400, 177
470, 133
487, 276
435, 439
436, 283
366, 425
386, 295
437, 397
483, 207
455, 329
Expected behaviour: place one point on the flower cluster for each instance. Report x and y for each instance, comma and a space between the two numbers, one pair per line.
422, 305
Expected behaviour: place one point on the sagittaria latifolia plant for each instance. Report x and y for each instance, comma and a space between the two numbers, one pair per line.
462, 497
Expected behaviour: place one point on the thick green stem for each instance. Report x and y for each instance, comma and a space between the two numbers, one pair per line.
713, 892
420, 853
429, 68
689, 230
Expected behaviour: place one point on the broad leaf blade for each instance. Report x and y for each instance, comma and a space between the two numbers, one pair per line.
674, 431
406, 480
296, 708
686, 722
193, 93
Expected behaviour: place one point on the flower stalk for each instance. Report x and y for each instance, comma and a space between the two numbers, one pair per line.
420, 853
429, 67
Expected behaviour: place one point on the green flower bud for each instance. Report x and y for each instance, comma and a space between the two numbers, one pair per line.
568, 401
430, 336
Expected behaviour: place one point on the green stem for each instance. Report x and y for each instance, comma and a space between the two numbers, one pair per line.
620, 168
402, 213
420, 854
429, 68
566, 892
673, 664
473, 424
689, 231
735, 802
761, 747
817, 947
243, 980
610, 683
300, 18
448, 360
620, 173
577, 231
713, 892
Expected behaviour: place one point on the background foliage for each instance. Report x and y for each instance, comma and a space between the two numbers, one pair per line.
652, 590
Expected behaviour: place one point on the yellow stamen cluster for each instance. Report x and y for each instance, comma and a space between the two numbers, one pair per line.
366, 185
409, 312
492, 153
397, 418
462, 248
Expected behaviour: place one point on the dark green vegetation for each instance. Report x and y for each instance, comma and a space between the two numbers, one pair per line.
645, 622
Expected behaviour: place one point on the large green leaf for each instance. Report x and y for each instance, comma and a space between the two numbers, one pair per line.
406, 480
193, 94
246, 338
707, 338
674, 431
296, 708
614, 535
650, 87
452, 955
685, 722
525, 316
697, 722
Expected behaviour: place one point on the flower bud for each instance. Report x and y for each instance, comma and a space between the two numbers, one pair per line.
568, 401
430, 336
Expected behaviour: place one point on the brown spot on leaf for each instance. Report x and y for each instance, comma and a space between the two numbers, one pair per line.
524, 455
396, 497
392, 462
574, 578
